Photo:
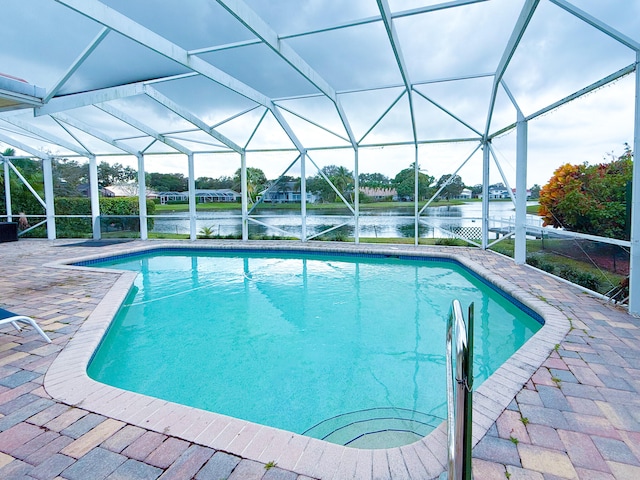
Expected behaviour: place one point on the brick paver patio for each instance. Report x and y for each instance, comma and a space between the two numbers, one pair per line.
577, 417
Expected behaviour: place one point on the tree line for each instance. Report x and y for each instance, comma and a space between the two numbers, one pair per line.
584, 198
71, 178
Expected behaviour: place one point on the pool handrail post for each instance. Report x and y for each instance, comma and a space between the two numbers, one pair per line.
468, 398
459, 398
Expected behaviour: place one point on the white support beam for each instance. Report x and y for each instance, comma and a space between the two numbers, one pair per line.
190, 117
356, 200
502, 175
634, 260
94, 191
84, 99
333, 187
22, 146
77, 63
93, 132
287, 129
435, 8
36, 153
594, 22
444, 185
385, 12
142, 198
526, 14
594, 86
193, 234
252, 21
455, 117
124, 117
416, 199
485, 196
243, 196
50, 210
303, 196
120, 23
7, 187
520, 253
315, 124
377, 18
26, 183
47, 137
393, 104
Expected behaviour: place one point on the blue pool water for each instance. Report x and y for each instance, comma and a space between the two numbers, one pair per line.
346, 348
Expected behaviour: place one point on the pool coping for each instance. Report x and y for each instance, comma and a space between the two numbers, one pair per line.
68, 382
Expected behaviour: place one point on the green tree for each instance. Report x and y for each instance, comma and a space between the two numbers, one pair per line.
589, 198
256, 182
476, 190
374, 180
209, 183
453, 188
404, 183
341, 177
113, 174
344, 182
22, 200
535, 191
68, 177
167, 182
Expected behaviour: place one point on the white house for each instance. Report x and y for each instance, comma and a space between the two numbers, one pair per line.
285, 192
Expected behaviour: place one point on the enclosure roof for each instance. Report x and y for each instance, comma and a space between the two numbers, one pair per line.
16, 93
157, 76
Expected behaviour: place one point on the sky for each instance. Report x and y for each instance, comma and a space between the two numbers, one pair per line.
557, 56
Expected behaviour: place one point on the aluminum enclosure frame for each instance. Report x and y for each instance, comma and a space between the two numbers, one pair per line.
60, 108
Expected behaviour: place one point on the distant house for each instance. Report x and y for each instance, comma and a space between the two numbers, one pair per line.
285, 192
465, 194
84, 189
498, 193
124, 190
165, 197
379, 194
202, 196
219, 195
528, 192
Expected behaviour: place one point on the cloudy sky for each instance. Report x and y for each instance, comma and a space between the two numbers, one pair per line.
557, 56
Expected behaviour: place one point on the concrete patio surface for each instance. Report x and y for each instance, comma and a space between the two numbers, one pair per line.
576, 417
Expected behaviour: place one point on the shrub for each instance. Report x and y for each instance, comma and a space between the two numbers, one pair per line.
114, 213
112, 210
568, 272
450, 242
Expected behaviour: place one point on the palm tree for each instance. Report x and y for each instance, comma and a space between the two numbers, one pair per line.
256, 181
343, 180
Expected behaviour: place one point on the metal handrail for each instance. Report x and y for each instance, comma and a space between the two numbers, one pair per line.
459, 398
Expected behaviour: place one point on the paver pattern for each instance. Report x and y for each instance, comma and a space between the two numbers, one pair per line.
578, 416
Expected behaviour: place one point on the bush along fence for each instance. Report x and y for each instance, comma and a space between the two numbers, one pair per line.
119, 214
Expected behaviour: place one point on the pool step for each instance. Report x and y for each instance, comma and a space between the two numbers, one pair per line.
375, 428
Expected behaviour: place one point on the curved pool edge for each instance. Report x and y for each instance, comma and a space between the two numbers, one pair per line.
67, 380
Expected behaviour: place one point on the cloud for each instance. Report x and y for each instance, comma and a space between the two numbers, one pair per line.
558, 55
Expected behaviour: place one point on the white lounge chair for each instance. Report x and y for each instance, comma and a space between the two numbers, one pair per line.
9, 317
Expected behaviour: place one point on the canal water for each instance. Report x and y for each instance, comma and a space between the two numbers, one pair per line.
388, 223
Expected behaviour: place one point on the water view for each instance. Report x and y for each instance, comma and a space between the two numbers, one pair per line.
378, 223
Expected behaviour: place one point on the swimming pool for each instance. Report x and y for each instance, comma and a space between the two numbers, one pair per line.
348, 348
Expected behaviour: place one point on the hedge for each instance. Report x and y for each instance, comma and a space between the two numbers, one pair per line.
112, 211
